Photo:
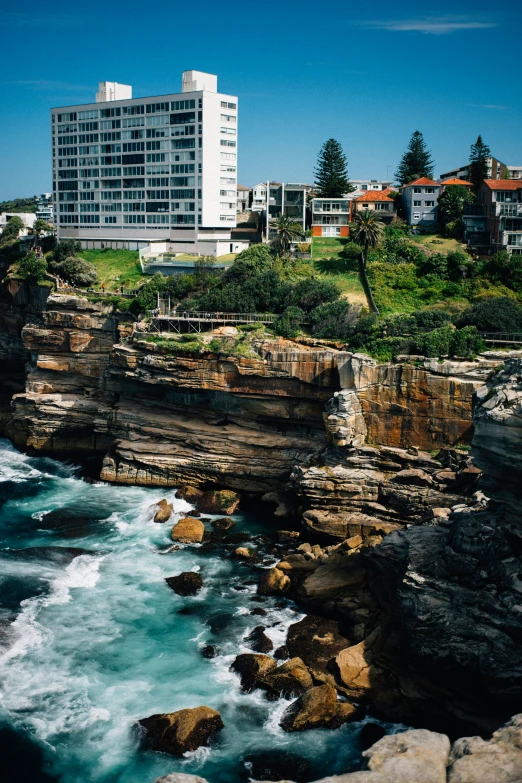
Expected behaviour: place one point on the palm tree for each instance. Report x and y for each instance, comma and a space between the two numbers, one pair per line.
367, 231
287, 231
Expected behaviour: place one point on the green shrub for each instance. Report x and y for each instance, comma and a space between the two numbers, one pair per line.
334, 320
311, 293
466, 342
435, 343
495, 314
32, 268
77, 271
289, 324
66, 248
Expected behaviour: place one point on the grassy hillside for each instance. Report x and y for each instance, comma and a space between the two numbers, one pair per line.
328, 262
116, 267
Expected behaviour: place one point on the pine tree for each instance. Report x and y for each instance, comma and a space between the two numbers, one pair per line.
478, 163
416, 161
331, 173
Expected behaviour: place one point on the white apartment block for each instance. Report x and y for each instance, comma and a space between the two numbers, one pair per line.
44, 207
363, 186
130, 171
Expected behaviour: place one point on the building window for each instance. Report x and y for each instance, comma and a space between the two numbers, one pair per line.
225, 105
227, 218
110, 219
417, 203
417, 190
429, 190
364, 187
429, 203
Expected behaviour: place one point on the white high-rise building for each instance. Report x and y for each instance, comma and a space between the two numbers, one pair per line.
128, 171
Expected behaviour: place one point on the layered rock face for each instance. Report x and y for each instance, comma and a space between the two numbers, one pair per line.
434, 610
19, 304
242, 422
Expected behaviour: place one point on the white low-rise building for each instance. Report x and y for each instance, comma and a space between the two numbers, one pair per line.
27, 218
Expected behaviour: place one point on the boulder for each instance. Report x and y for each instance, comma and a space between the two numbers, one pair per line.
222, 525
221, 501
186, 583
410, 757
243, 553
499, 760
164, 512
209, 651
415, 476
258, 640
190, 494
181, 731
316, 641
290, 679
355, 666
273, 582
331, 581
188, 531
250, 668
317, 708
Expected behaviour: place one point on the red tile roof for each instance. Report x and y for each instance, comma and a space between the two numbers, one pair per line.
456, 181
387, 191
373, 195
421, 181
503, 184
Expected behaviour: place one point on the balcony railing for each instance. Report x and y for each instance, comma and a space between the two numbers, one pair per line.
512, 238
508, 210
474, 209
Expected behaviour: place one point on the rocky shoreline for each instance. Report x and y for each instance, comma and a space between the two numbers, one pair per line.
403, 546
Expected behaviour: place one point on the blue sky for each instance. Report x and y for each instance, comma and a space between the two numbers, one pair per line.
366, 74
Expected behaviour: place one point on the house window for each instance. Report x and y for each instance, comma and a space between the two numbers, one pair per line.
429, 203
364, 187
429, 190
417, 190
416, 203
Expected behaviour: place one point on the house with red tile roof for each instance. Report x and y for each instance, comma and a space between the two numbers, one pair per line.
420, 200
455, 181
375, 201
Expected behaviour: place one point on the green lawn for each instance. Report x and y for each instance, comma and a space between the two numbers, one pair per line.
438, 243
327, 260
116, 267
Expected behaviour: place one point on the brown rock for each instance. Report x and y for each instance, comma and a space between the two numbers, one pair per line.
316, 640
355, 665
222, 525
181, 731
273, 582
186, 583
190, 494
331, 580
290, 679
317, 708
258, 641
164, 512
415, 476
221, 501
188, 531
251, 667
243, 553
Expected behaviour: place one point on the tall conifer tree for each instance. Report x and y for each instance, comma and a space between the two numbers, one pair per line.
478, 163
331, 172
416, 161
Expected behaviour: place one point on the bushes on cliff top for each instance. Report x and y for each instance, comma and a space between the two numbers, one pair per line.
496, 314
76, 271
32, 268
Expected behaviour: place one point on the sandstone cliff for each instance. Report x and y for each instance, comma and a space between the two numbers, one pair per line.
243, 422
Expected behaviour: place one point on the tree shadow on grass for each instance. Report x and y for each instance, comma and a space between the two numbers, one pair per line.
336, 265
